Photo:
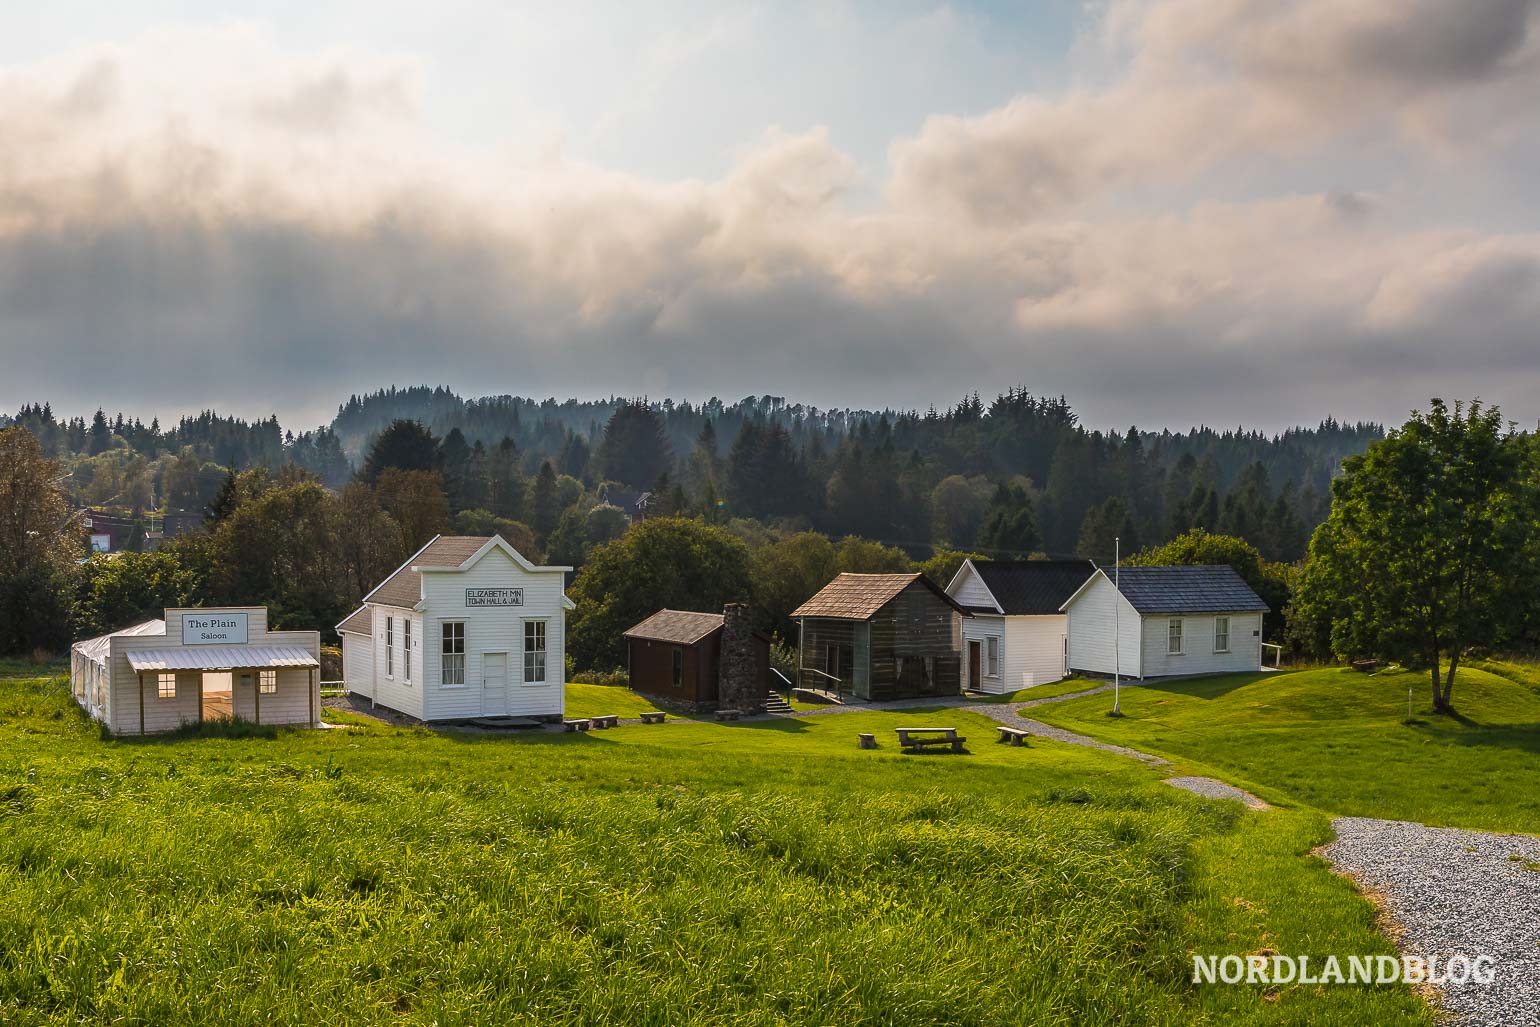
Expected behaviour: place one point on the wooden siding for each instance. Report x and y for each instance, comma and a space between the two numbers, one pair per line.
1097, 616
358, 664
1198, 656
969, 589
911, 646
1034, 650
980, 628
651, 666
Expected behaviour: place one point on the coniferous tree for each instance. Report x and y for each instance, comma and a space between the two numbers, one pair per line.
1010, 527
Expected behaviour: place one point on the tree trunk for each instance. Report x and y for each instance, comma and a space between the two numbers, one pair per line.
1454, 661
1438, 695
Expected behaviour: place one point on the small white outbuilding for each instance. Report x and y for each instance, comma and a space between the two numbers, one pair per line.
1015, 638
466, 628
198, 665
1165, 622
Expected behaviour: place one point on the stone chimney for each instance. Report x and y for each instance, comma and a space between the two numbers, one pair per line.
739, 687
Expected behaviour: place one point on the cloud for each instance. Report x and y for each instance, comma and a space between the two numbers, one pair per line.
291, 230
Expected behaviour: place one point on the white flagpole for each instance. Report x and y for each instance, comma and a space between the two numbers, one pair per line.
1117, 625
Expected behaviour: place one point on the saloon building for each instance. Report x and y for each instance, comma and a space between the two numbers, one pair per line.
466, 628
198, 665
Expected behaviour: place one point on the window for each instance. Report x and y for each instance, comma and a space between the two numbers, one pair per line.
992, 657
453, 673
166, 685
678, 666
1174, 637
267, 681
534, 652
406, 650
1221, 634
390, 647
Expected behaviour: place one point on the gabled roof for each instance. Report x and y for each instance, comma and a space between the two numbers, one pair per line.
1031, 588
681, 627
859, 596
359, 622
445, 552
1207, 588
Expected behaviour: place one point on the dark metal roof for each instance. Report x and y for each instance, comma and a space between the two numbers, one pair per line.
1033, 587
1201, 589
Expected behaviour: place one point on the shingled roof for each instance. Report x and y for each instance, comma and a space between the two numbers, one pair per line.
404, 588
681, 627
1200, 589
1032, 587
359, 622
859, 596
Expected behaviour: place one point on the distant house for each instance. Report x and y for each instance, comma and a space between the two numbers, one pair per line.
176, 524
880, 636
466, 628
702, 660
1015, 638
107, 532
632, 504
1164, 622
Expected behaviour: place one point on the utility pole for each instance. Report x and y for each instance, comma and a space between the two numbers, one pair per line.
1117, 625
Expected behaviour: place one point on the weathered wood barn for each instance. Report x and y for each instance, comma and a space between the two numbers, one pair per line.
700, 660
197, 665
466, 628
880, 636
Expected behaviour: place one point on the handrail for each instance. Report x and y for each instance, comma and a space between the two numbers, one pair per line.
1277, 655
815, 670
783, 677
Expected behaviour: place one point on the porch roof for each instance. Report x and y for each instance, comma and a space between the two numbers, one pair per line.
220, 657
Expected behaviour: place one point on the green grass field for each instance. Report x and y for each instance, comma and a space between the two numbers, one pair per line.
1339, 741
757, 873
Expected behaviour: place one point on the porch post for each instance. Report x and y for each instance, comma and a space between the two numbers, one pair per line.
256, 697
312, 697
200, 698
140, 676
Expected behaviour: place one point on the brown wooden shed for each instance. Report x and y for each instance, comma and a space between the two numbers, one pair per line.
881, 636
682, 655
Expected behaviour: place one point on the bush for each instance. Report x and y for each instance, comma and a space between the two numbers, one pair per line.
617, 678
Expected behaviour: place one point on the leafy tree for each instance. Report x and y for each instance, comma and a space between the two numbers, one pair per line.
369, 539
944, 564
863, 556
130, 588
786, 574
959, 506
1416, 560
1010, 527
634, 450
406, 446
417, 503
664, 562
39, 544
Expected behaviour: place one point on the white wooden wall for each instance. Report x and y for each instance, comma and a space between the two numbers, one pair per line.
1034, 647
1096, 617
1198, 656
980, 628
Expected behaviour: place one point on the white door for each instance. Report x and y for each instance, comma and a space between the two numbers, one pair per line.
494, 684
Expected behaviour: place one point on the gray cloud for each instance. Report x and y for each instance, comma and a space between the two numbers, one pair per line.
275, 242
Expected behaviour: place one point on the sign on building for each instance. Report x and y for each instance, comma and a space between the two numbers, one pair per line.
214, 629
494, 597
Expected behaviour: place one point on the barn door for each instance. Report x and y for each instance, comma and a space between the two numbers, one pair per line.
494, 684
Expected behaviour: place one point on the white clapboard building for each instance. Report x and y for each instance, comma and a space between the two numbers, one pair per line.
466, 628
1158, 622
1015, 638
198, 665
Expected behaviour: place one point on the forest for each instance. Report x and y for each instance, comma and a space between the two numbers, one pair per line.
759, 499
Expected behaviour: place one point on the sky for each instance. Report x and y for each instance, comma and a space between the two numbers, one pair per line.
1173, 212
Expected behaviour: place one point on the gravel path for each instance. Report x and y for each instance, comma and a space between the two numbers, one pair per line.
1454, 891
1215, 789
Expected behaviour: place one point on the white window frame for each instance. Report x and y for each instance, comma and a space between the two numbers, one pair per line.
406, 650
1218, 634
543, 630
161, 691
446, 654
992, 648
1175, 632
390, 648
267, 682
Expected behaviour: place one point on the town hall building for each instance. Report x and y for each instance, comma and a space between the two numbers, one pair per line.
466, 628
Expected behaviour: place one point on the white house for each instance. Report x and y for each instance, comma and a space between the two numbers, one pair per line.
1165, 622
196, 665
1015, 638
466, 628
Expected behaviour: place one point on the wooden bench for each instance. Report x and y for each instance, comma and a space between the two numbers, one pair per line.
917, 738
867, 741
1014, 735
576, 724
608, 720
1366, 666
727, 714
653, 717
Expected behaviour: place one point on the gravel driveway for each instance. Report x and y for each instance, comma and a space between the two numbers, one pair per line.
1454, 891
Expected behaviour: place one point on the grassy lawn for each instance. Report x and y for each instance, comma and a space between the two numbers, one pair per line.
1338, 741
602, 700
758, 873
1049, 691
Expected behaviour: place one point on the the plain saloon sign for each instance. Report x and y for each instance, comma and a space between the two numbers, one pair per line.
214, 629
494, 597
